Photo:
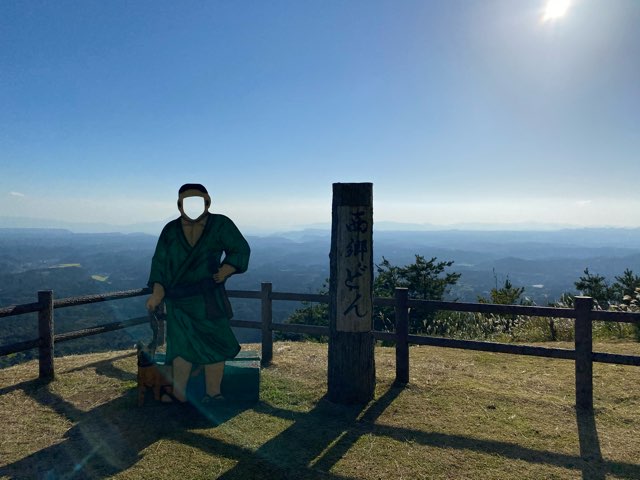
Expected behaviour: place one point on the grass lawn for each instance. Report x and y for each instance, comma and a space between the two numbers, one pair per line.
464, 415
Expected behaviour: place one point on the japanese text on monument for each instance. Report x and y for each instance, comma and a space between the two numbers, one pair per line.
354, 276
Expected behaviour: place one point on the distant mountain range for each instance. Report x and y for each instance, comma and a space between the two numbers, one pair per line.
155, 227
546, 263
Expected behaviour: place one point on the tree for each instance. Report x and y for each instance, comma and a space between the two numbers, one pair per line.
605, 295
596, 287
425, 280
622, 295
309, 314
506, 295
630, 287
627, 284
422, 278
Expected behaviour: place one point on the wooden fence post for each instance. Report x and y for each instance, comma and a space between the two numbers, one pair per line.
267, 319
402, 333
45, 330
351, 370
584, 353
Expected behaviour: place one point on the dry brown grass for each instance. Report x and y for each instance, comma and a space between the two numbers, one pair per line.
464, 415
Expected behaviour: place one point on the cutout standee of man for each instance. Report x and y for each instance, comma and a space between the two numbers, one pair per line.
188, 273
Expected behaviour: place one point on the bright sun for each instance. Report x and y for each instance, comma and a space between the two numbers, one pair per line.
555, 9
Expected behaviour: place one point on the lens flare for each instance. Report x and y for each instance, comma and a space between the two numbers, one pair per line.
555, 9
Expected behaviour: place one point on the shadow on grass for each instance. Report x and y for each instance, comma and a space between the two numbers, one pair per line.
107, 439
594, 466
108, 369
103, 367
308, 449
319, 439
110, 438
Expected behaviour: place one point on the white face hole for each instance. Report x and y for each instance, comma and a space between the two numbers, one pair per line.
193, 207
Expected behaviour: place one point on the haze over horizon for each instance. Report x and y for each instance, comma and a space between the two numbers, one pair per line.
488, 112
322, 228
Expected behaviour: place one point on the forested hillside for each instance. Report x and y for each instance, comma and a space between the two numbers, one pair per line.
546, 264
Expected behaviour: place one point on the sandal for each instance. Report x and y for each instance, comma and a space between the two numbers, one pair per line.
212, 399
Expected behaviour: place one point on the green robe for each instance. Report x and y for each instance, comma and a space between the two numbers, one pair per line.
195, 331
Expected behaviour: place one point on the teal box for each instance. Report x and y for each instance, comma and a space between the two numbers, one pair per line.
240, 382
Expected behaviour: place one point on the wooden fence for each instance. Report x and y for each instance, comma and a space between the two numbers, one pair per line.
583, 314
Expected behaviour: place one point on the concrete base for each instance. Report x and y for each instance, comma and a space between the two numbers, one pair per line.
240, 382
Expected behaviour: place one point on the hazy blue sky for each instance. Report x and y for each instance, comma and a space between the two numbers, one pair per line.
456, 110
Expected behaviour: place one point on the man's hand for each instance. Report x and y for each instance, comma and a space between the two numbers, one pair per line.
156, 297
223, 272
153, 302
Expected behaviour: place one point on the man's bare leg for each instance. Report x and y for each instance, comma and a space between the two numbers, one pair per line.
181, 372
213, 377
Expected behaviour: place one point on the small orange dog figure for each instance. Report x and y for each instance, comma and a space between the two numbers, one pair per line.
150, 375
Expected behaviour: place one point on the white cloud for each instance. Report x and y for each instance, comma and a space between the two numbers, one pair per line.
16, 194
552, 211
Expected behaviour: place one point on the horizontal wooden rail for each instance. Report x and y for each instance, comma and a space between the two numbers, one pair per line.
493, 347
390, 337
296, 297
492, 308
105, 297
245, 324
296, 328
300, 297
583, 315
622, 317
559, 353
13, 310
485, 308
19, 347
616, 358
244, 294
384, 302
107, 327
